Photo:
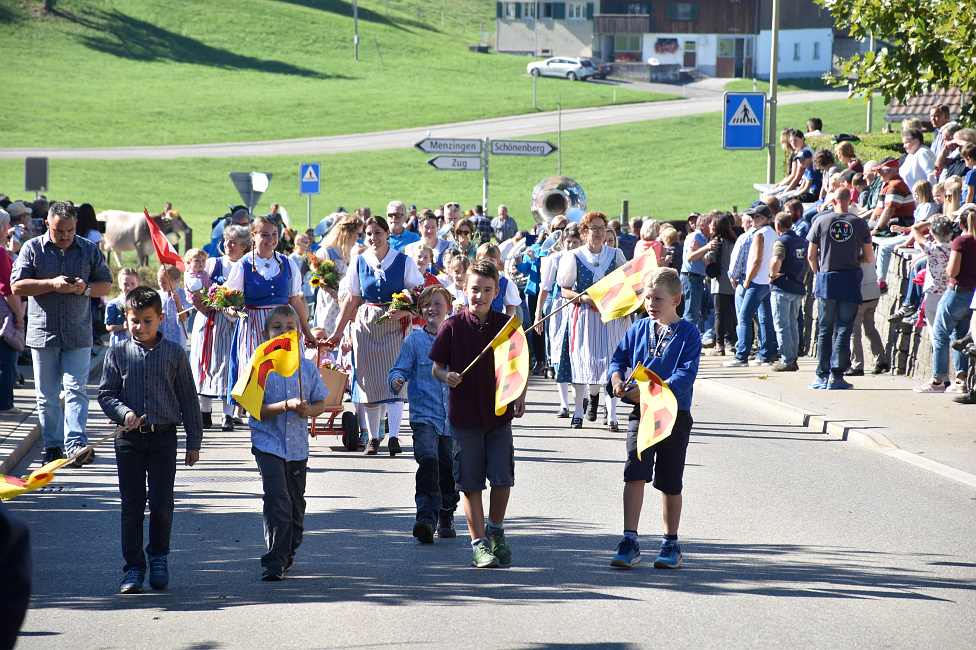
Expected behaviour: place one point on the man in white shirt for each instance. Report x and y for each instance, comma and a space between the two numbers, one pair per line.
919, 164
755, 294
938, 116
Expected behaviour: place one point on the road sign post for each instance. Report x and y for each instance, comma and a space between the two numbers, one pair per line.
310, 182
743, 121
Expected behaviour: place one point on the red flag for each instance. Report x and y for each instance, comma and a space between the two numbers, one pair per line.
164, 247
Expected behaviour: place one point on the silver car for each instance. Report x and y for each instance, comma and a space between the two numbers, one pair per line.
571, 68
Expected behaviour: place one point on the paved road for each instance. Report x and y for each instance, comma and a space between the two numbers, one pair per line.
790, 539
495, 128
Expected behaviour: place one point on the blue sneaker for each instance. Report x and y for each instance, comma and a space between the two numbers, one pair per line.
628, 554
817, 384
158, 571
132, 582
670, 556
838, 383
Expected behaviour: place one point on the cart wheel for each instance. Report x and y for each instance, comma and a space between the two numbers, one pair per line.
350, 428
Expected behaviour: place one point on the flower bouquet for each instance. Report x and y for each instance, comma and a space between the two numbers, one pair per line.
406, 299
324, 272
220, 297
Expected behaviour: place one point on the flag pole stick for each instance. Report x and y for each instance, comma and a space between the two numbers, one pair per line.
106, 438
553, 313
301, 389
483, 352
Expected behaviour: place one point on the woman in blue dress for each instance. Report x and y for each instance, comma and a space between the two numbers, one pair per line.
588, 342
267, 279
374, 276
213, 335
338, 246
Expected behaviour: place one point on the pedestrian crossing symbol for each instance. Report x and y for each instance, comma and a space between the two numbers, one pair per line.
310, 176
744, 116
744, 121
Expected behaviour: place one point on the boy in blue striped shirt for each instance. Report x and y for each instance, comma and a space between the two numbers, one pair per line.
437, 497
279, 442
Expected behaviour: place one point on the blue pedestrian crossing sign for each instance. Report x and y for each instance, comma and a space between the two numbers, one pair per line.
310, 178
744, 121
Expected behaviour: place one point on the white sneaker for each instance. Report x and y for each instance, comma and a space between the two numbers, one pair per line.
760, 362
13, 411
735, 363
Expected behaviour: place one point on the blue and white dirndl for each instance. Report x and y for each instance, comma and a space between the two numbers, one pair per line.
260, 297
376, 346
212, 342
587, 342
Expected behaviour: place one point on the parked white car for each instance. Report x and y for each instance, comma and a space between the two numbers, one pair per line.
571, 68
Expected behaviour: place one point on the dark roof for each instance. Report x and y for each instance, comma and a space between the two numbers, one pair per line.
919, 105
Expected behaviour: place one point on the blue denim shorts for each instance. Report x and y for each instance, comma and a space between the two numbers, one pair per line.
483, 455
662, 465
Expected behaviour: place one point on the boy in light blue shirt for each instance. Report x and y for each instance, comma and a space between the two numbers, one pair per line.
279, 442
437, 497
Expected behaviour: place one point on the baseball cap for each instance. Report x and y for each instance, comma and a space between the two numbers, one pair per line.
804, 154
966, 207
886, 163
18, 209
759, 211
412, 207
340, 209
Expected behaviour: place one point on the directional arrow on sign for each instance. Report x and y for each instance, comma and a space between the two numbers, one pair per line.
456, 163
449, 145
522, 147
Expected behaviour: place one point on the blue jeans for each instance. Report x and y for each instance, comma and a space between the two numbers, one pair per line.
146, 460
692, 290
755, 300
8, 375
885, 251
786, 312
951, 322
435, 472
914, 296
833, 360
54, 369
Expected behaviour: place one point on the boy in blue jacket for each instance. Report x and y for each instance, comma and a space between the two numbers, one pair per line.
670, 347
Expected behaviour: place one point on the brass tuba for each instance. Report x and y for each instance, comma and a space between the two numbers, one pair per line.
557, 196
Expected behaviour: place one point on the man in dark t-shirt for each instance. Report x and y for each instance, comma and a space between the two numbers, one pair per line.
839, 243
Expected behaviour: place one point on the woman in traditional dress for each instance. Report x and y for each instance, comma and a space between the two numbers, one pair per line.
550, 300
213, 336
337, 247
374, 276
267, 279
588, 342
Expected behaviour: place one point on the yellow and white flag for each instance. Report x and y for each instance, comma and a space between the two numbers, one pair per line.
511, 354
281, 355
619, 293
658, 409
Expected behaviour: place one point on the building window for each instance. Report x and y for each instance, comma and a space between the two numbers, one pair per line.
796, 51
726, 47
546, 10
528, 10
576, 11
508, 10
636, 8
631, 43
682, 11
816, 50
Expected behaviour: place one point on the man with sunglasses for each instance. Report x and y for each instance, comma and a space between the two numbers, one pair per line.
400, 237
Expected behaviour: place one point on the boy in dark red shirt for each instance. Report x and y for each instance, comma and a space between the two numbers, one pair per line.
484, 449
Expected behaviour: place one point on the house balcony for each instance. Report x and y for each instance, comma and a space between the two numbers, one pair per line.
621, 24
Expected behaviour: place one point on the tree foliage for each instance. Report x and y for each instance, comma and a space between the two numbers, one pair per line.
925, 45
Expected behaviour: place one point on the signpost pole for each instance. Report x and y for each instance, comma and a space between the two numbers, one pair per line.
309, 211
559, 135
484, 197
772, 141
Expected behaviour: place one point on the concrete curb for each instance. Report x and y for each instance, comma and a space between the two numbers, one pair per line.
17, 454
839, 429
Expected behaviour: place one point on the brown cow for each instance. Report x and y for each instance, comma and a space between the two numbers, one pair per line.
126, 231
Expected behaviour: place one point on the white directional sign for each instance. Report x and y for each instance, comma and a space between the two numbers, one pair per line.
456, 163
522, 147
449, 145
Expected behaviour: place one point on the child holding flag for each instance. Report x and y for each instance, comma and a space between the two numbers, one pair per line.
669, 347
437, 497
158, 384
484, 448
279, 437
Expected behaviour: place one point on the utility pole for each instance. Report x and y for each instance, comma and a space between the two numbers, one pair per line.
773, 140
535, 55
871, 97
355, 26
559, 134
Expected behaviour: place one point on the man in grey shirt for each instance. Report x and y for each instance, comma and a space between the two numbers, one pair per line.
60, 273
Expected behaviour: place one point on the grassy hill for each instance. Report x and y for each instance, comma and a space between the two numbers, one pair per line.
126, 72
665, 168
